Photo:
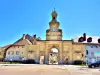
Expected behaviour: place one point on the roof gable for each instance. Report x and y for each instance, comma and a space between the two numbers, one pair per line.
23, 42
5, 47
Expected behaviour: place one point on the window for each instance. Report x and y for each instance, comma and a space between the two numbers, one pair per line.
87, 52
96, 46
22, 52
77, 51
8, 52
30, 52
12, 52
91, 46
17, 52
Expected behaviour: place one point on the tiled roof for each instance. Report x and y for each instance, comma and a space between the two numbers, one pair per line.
26, 39
23, 42
5, 47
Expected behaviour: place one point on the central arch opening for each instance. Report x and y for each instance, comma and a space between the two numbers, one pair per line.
54, 50
53, 56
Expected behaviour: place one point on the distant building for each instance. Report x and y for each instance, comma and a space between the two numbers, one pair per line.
92, 46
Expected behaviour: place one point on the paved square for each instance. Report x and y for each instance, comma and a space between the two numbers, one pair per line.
46, 70
33, 70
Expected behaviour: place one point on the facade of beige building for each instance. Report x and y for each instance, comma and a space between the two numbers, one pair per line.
53, 50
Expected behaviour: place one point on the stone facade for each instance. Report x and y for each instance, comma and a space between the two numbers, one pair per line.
31, 47
66, 49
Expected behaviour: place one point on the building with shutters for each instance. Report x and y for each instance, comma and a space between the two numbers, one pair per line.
93, 52
92, 46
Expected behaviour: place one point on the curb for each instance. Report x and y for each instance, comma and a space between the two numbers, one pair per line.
18, 64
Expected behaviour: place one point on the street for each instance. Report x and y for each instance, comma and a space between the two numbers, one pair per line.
46, 70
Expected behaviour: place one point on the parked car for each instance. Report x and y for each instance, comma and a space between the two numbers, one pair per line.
13, 59
29, 61
78, 62
93, 65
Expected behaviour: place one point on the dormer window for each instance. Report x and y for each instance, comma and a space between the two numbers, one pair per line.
89, 39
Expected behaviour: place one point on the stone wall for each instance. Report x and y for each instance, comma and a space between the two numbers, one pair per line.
67, 51
1, 54
78, 50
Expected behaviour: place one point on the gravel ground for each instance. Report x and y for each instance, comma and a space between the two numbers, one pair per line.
34, 70
46, 70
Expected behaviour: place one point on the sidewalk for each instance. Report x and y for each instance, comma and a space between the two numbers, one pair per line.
77, 70
18, 64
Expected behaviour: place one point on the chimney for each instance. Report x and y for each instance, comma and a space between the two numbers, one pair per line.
24, 36
34, 36
84, 36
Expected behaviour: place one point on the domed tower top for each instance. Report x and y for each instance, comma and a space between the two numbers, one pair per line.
54, 33
54, 15
54, 18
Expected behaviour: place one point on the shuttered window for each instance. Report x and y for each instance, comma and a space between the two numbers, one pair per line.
8, 52
17, 52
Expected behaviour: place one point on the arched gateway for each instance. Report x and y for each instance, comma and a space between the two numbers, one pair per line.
53, 56
49, 51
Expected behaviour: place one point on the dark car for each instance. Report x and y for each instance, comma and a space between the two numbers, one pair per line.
29, 61
93, 65
78, 62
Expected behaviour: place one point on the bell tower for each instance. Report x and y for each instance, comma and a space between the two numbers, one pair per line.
54, 33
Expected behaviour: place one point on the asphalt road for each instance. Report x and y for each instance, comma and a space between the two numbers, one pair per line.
34, 70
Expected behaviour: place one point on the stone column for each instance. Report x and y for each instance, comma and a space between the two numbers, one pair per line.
70, 54
37, 48
46, 54
60, 53
26, 52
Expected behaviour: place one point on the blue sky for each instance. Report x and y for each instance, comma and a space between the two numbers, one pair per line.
32, 16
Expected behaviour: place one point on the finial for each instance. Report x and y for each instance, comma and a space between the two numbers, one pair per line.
54, 14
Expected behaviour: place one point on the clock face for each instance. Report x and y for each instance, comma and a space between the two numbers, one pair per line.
53, 29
